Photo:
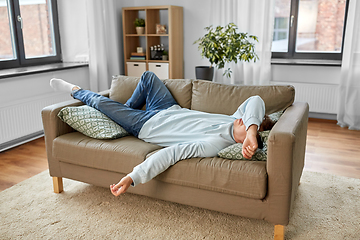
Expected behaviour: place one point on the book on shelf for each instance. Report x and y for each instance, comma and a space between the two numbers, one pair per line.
137, 58
138, 54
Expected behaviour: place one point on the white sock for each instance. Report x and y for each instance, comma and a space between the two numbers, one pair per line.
61, 85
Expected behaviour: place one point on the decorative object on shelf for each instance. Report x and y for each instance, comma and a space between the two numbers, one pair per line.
138, 56
140, 25
224, 44
139, 49
165, 55
156, 52
160, 29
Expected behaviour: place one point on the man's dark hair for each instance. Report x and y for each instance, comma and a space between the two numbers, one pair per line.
266, 124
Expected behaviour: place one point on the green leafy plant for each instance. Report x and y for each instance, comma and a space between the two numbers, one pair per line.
139, 22
224, 44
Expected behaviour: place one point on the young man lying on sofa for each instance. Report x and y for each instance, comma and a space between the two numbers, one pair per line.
185, 133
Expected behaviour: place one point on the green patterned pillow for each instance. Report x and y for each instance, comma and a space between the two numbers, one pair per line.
234, 152
275, 116
91, 122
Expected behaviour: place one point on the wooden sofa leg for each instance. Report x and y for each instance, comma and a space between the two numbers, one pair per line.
58, 184
279, 232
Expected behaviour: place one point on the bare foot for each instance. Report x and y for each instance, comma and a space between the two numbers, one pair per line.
122, 186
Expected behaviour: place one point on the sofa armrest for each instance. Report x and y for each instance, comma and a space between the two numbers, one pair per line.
286, 154
54, 127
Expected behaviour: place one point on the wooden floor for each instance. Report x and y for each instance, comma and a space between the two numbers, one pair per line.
332, 149
22, 162
329, 149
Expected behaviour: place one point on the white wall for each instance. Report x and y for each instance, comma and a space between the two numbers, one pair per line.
328, 75
28, 86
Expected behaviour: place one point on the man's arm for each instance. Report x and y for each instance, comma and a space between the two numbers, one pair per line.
250, 143
162, 160
252, 112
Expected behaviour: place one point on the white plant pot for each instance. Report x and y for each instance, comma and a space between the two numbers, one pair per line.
140, 30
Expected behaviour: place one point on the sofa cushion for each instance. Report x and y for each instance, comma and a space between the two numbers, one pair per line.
117, 155
225, 99
122, 88
242, 178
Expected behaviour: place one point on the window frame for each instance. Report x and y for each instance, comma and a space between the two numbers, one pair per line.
292, 54
21, 60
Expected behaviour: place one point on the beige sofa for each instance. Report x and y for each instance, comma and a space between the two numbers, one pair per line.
254, 189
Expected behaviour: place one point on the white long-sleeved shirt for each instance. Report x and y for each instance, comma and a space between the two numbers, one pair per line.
188, 133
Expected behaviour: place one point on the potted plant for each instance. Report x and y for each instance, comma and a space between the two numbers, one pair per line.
140, 25
165, 55
221, 45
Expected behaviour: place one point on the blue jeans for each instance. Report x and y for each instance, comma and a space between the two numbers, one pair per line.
150, 91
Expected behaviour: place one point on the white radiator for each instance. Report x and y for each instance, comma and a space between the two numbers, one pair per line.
321, 98
23, 118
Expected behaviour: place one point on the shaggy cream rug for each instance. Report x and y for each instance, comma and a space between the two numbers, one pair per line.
326, 207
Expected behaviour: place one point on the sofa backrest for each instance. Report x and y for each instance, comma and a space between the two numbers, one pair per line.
208, 96
122, 88
225, 99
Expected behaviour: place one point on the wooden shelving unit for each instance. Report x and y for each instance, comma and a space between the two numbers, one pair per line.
172, 17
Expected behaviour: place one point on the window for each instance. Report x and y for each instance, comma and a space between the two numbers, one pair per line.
309, 29
29, 33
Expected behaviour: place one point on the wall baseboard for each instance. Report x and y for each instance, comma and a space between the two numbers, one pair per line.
327, 116
20, 141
